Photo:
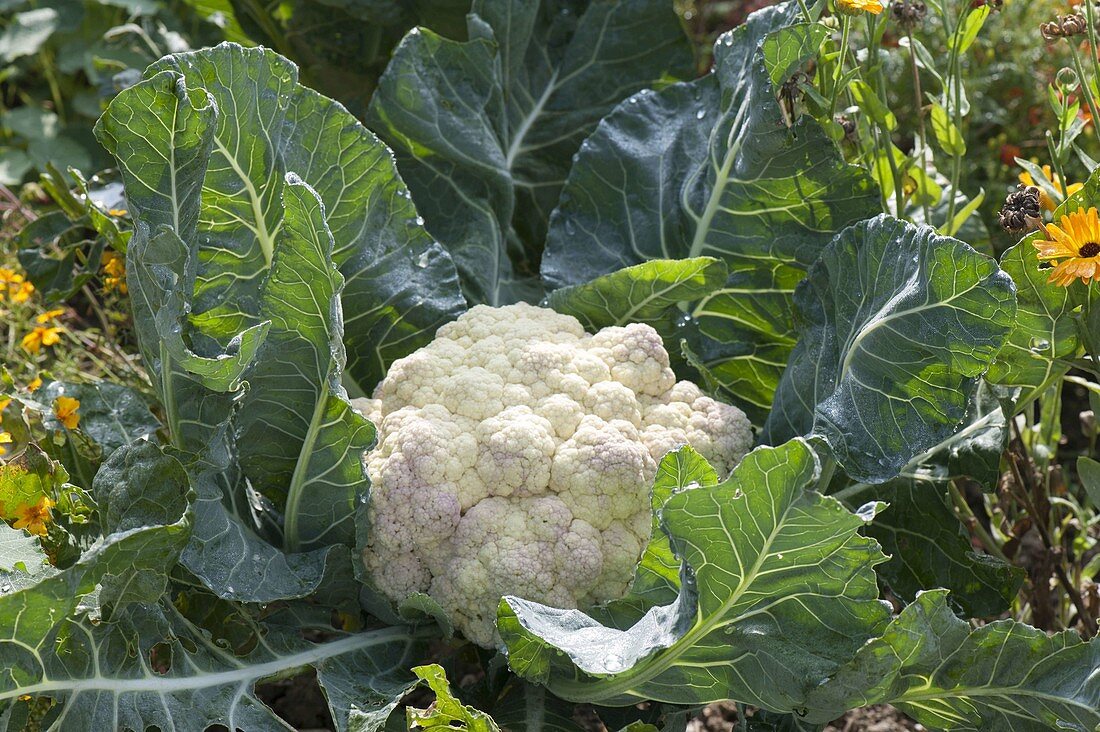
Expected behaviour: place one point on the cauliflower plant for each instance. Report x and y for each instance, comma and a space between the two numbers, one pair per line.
516, 454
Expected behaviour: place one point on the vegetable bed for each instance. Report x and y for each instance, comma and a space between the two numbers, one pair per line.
564, 388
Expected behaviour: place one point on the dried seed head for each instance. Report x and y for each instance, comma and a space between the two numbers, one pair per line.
909, 13
1020, 213
847, 124
1066, 26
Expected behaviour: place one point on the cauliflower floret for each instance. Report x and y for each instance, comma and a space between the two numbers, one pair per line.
515, 456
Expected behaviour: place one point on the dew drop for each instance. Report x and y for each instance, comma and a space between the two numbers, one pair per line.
422, 260
256, 558
613, 663
230, 589
419, 220
1039, 345
5, 588
700, 114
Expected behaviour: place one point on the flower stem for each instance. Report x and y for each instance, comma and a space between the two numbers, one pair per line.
838, 72
1086, 87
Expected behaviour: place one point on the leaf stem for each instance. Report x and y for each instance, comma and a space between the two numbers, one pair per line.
972, 522
1025, 487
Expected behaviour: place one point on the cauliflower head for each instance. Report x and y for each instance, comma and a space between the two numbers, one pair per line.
515, 457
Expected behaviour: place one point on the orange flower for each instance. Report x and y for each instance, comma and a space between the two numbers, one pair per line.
1048, 203
41, 336
34, 518
21, 292
35, 384
855, 7
114, 266
1076, 240
118, 212
5, 439
49, 315
65, 409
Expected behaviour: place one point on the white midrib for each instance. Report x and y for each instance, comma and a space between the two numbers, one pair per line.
879, 322
733, 148
528, 121
265, 239
628, 316
536, 707
298, 479
660, 663
240, 675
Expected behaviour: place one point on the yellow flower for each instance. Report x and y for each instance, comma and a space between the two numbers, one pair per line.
35, 384
1048, 203
1075, 239
855, 7
114, 266
4, 405
118, 212
65, 408
5, 439
41, 336
35, 517
49, 315
20, 292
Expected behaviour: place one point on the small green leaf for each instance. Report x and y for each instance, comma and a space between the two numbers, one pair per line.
446, 712
870, 102
972, 25
787, 49
1088, 470
947, 134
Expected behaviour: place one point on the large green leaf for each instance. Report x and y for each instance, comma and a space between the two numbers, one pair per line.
779, 590
485, 130
112, 415
930, 548
1001, 677
153, 667
928, 544
711, 168
342, 46
1044, 334
898, 324
643, 293
145, 499
257, 124
298, 439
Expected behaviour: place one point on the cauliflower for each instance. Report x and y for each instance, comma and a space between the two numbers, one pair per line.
515, 457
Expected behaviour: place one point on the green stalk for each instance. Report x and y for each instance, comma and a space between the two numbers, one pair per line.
805, 11
55, 88
972, 522
838, 73
1094, 47
955, 77
880, 89
1086, 88
922, 131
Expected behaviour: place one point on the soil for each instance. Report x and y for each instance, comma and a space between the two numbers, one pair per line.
881, 718
300, 702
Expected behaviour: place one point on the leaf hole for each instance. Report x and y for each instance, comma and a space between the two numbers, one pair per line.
160, 658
